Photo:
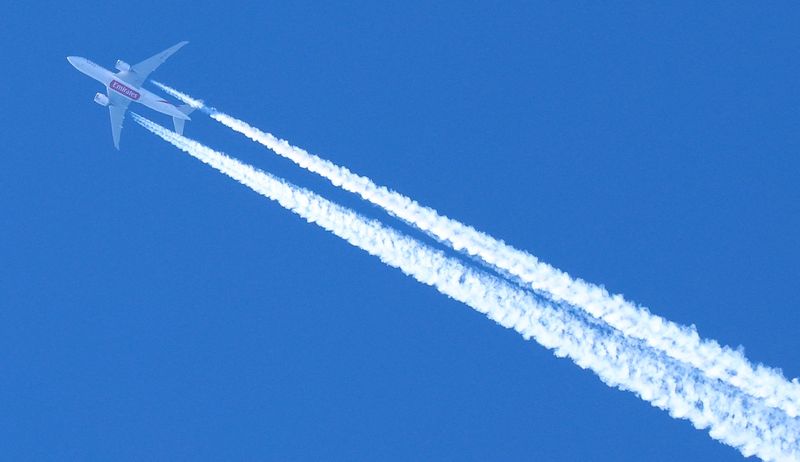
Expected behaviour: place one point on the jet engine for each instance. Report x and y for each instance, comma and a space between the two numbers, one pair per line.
101, 99
122, 66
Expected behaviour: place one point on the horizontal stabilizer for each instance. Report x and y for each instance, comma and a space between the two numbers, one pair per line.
179, 123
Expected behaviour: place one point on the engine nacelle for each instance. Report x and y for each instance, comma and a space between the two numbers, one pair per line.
122, 66
101, 99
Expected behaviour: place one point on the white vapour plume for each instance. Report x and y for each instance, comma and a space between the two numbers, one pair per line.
680, 342
730, 415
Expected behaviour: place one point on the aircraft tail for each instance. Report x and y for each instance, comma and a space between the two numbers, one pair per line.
179, 123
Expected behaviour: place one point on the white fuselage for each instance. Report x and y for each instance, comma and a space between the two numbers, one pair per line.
114, 83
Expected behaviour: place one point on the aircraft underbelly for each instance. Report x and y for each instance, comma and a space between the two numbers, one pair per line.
163, 107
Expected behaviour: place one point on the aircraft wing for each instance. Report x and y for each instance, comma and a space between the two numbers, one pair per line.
117, 107
139, 72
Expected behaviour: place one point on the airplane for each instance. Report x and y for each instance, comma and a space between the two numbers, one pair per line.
125, 87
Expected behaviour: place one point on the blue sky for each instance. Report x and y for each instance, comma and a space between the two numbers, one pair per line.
151, 308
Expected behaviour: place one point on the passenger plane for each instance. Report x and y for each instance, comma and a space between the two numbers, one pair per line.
125, 87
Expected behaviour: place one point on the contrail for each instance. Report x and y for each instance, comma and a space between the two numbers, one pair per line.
731, 416
680, 342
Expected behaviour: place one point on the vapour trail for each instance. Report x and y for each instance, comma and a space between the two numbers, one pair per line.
732, 417
680, 342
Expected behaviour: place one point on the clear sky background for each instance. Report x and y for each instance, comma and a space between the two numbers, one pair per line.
153, 309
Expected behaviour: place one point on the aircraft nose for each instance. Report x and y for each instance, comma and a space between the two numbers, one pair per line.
73, 60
